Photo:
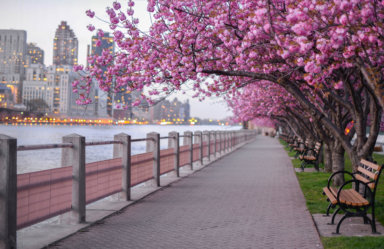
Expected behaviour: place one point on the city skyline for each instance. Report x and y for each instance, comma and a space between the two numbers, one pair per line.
41, 18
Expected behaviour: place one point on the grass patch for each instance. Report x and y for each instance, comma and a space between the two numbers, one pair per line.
353, 242
312, 184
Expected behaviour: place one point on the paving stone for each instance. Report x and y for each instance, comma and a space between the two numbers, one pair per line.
248, 199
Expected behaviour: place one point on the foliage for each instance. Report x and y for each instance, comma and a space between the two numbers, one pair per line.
313, 65
37, 105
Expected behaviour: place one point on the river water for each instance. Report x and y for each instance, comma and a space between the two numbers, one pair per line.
29, 161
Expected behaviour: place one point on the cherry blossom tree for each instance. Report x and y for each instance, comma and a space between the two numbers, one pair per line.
325, 57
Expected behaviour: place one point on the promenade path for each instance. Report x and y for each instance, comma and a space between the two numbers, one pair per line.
248, 199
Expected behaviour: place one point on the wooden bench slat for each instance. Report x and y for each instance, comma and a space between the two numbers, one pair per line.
359, 199
344, 198
367, 173
371, 164
349, 197
310, 158
355, 198
365, 180
329, 195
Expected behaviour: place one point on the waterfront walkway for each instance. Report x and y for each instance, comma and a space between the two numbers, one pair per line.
248, 199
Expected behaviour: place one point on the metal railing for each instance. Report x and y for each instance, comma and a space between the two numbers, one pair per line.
78, 183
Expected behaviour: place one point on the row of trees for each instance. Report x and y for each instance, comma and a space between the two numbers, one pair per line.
312, 65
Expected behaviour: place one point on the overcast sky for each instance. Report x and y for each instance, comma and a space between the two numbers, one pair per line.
40, 18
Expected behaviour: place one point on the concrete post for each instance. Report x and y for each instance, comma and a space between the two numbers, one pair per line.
188, 139
8, 191
232, 142
77, 159
153, 144
173, 142
199, 140
215, 142
229, 140
220, 142
207, 138
124, 151
222, 134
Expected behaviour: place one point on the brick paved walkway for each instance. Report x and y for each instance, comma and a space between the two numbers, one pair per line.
248, 199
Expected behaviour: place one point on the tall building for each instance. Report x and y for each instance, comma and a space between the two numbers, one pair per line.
106, 42
13, 46
65, 46
5, 94
35, 86
60, 97
104, 101
35, 55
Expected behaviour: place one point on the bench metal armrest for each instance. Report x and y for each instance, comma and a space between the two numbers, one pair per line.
339, 172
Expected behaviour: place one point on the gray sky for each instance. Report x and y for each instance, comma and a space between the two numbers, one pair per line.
40, 18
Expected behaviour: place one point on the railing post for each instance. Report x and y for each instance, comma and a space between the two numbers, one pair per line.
8, 192
221, 142
76, 158
188, 139
207, 138
199, 139
229, 140
215, 142
123, 150
212, 135
218, 135
234, 139
173, 142
153, 144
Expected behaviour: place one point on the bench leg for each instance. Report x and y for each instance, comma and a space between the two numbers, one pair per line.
334, 216
303, 163
339, 224
373, 223
328, 209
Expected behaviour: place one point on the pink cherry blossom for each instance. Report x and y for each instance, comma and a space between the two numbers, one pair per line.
90, 13
91, 27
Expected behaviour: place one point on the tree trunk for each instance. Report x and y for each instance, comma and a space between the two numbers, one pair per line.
355, 159
327, 158
338, 163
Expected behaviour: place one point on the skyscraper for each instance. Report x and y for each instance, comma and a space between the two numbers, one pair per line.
35, 85
106, 42
104, 100
65, 46
13, 45
35, 55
